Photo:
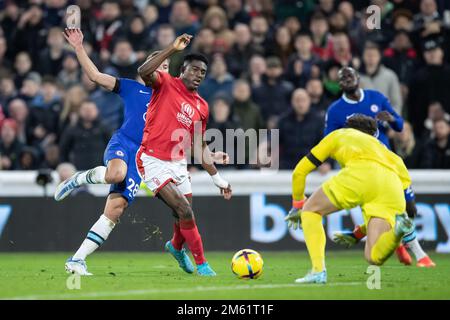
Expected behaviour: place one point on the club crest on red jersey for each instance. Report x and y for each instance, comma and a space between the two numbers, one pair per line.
186, 114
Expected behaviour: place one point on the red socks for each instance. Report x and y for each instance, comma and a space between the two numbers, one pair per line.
189, 231
177, 239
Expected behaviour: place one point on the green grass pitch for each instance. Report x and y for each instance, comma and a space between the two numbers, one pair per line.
157, 276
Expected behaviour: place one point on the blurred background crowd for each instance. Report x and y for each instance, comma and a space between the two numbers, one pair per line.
273, 64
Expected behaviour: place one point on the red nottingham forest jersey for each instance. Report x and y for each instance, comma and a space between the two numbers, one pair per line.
170, 119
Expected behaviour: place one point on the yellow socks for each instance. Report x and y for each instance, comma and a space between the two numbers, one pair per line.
384, 247
315, 239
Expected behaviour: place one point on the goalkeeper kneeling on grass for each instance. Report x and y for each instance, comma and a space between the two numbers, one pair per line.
371, 177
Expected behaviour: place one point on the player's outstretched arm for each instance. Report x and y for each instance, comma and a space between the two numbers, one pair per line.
147, 69
75, 38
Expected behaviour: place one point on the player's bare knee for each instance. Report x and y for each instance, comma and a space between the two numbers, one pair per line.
184, 211
114, 176
312, 206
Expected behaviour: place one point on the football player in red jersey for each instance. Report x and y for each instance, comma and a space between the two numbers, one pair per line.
175, 125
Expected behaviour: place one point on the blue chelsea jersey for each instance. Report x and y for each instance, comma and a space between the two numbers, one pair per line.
136, 98
370, 103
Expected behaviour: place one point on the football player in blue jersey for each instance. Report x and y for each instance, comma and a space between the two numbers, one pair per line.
119, 158
372, 103
356, 100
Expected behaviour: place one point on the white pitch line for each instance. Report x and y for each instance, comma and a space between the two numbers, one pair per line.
175, 290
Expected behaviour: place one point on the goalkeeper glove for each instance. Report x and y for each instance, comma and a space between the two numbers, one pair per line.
293, 218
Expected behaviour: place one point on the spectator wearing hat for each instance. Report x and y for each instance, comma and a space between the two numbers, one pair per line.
218, 80
273, 94
376, 76
70, 74
84, 143
429, 84
215, 19
300, 129
436, 152
10, 146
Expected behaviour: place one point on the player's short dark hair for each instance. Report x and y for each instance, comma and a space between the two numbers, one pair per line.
362, 123
195, 57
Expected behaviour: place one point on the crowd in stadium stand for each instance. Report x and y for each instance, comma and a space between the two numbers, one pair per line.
273, 64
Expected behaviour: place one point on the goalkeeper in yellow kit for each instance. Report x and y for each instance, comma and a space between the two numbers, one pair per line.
371, 177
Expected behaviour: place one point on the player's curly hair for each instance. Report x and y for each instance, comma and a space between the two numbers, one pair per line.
362, 123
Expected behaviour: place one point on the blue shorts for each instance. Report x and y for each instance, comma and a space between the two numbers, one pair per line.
121, 147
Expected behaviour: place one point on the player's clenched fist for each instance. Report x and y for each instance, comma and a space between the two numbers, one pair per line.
182, 42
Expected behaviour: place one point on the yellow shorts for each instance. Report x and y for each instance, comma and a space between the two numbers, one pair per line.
375, 188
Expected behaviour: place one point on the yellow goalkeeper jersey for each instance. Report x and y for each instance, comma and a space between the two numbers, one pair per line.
348, 146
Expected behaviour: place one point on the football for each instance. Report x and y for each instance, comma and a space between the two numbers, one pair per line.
247, 264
